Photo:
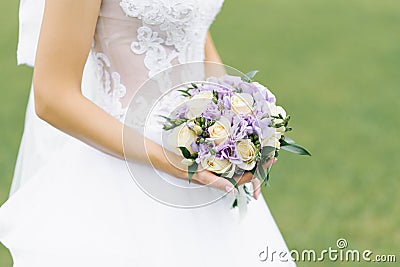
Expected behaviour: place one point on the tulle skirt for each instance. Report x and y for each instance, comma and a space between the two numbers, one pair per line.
84, 209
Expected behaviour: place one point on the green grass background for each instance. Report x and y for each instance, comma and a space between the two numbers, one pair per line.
335, 66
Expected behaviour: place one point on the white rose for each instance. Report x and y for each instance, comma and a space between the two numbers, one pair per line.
242, 103
219, 166
272, 140
182, 136
275, 110
281, 129
219, 131
198, 103
247, 153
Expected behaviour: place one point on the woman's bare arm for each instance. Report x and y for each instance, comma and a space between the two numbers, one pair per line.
211, 53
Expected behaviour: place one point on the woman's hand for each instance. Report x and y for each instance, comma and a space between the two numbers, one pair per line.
205, 177
249, 177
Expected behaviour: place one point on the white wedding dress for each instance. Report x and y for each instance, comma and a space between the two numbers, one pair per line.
72, 205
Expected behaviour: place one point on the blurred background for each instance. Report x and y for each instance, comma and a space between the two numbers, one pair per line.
335, 66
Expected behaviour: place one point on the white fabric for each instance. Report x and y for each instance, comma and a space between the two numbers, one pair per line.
41, 141
80, 207
30, 20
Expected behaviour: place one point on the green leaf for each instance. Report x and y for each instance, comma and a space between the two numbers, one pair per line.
262, 172
265, 151
289, 140
267, 179
166, 118
186, 93
235, 203
253, 171
248, 77
294, 148
168, 127
194, 85
191, 170
185, 152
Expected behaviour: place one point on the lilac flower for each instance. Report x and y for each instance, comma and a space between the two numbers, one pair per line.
229, 114
267, 94
239, 128
266, 130
195, 147
246, 87
180, 112
203, 151
230, 80
209, 87
224, 102
212, 111
228, 151
256, 127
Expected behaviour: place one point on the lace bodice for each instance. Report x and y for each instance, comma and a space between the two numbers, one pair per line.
135, 39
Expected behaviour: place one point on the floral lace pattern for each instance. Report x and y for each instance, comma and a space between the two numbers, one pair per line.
157, 58
136, 39
111, 89
172, 29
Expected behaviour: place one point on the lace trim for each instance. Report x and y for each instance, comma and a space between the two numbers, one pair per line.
156, 56
111, 89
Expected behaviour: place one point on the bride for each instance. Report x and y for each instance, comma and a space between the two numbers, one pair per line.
73, 201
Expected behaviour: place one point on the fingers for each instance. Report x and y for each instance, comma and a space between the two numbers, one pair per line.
244, 178
205, 177
210, 179
269, 163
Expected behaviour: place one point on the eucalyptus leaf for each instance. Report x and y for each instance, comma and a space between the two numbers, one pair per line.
296, 149
248, 77
289, 140
262, 172
185, 152
191, 170
267, 150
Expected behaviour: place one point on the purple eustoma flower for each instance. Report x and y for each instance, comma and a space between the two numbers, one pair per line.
203, 152
227, 151
266, 130
194, 146
230, 80
239, 128
212, 111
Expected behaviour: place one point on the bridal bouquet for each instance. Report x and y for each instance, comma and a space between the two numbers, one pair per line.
229, 125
